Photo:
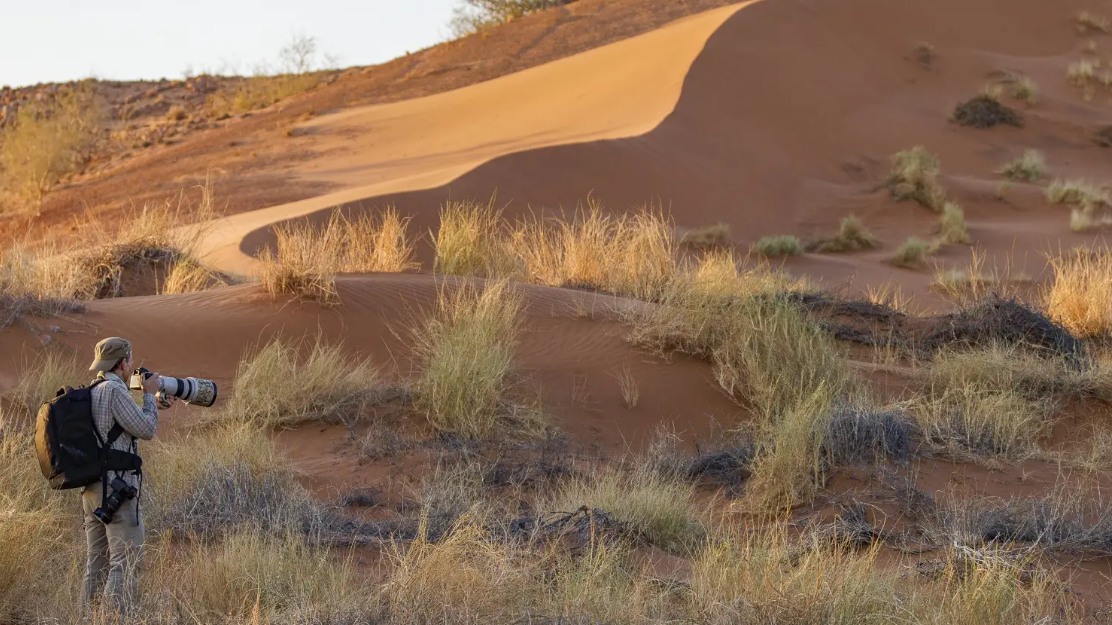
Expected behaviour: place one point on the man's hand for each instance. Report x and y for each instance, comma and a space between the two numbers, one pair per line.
150, 384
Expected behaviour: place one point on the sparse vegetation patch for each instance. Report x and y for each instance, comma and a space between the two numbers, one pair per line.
953, 224
912, 253
779, 245
1081, 296
852, 236
1031, 167
915, 177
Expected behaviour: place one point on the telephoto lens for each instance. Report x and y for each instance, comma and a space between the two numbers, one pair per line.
196, 391
120, 492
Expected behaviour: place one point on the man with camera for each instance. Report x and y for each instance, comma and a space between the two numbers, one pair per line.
113, 527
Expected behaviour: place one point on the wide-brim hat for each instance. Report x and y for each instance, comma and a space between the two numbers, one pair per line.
108, 352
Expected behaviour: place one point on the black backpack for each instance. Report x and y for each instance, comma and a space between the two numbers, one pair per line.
71, 452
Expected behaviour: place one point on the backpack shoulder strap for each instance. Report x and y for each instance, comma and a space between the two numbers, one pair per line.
116, 429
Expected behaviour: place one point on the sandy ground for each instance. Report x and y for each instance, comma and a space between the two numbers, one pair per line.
772, 116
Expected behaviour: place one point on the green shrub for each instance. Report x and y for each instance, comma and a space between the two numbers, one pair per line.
780, 245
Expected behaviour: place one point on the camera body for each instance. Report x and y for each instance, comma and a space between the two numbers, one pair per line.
120, 492
197, 391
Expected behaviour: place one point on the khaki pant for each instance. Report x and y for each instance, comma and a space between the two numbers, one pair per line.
115, 552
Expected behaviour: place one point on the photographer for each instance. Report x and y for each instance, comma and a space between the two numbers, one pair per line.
115, 540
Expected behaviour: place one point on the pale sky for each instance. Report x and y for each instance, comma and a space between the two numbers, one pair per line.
61, 40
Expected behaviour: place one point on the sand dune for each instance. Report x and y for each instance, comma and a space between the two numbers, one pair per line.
784, 125
621, 90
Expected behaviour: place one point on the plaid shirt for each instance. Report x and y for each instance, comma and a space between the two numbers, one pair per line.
112, 403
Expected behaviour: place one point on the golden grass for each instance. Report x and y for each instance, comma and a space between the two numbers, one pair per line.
307, 258
762, 576
952, 224
1080, 297
1031, 167
467, 349
187, 275
250, 574
631, 255
284, 383
915, 177
628, 385
657, 507
779, 245
473, 241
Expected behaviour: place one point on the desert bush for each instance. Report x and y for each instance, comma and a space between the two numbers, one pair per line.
912, 253
374, 242
952, 224
224, 479
473, 16
472, 241
276, 386
779, 245
986, 111
632, 255
852, 236
1080, 297
467, 349
710, 237
50, 140
915, 177
656, 506
1031, 167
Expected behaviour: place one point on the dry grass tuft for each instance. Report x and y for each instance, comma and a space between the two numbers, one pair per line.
747, 575
975, 418
306, 258
852, 237
230, 477
1081, 296
913, 253
467, 347
658, 508
952, 223
1031, 167
915, 177
631, 255
1025, 90
472, 241
279, 385
779, 245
